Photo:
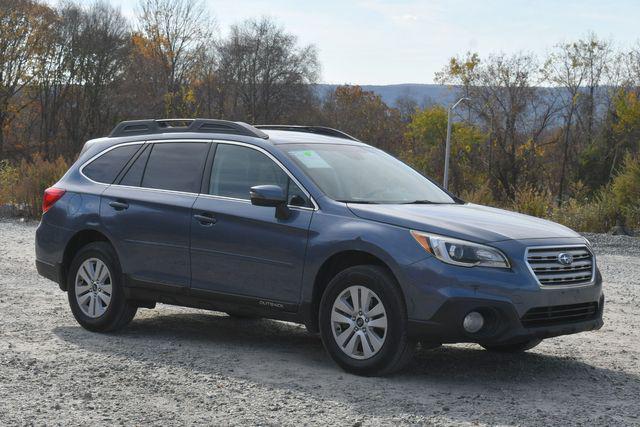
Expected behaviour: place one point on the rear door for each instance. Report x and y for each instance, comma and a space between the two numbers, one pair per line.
244, 250
148, 211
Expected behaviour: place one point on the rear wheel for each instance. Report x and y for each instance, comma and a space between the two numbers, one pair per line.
95, 290
363, 322
519, 347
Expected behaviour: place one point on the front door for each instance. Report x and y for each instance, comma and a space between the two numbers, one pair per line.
238, 249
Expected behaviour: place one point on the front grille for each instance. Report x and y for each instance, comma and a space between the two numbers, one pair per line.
549, 271
559, 314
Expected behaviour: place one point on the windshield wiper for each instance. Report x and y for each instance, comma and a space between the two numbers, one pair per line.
413, 202
364, 202
428, 202
421, 202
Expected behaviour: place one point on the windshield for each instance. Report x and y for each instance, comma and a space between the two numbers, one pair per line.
362, 174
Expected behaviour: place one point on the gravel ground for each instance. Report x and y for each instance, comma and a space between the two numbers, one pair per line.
183, 366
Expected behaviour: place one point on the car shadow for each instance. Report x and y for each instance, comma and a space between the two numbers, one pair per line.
439, 381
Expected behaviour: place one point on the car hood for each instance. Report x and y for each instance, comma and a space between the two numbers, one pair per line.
465, 221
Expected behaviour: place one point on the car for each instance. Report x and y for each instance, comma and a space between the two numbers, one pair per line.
305, 224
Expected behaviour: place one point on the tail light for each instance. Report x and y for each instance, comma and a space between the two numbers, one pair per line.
51, 196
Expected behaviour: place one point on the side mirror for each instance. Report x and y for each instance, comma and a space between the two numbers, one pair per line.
272, 196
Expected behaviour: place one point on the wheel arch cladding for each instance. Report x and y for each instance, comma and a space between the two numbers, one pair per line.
335, 264
77, 241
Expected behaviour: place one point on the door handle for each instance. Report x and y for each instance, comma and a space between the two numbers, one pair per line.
205, 218
119, 206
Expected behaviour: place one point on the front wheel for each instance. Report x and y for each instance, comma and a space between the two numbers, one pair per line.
363, 322
95, 290
519, 347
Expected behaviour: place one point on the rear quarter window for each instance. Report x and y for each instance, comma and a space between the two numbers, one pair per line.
106, 168
133, 176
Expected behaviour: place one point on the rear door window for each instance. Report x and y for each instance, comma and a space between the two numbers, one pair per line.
106, 168
175, 166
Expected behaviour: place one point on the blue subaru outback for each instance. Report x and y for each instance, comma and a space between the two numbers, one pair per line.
305, 224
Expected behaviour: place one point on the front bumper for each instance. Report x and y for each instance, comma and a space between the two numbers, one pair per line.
439, 296
503, 324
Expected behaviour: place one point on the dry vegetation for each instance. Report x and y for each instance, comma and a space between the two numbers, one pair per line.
555, 137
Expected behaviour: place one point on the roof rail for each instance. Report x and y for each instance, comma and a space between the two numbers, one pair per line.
152, 126
321, 130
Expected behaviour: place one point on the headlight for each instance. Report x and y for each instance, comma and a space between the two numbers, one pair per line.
460, 252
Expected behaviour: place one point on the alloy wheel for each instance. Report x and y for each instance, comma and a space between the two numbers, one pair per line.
359, 322
93, 287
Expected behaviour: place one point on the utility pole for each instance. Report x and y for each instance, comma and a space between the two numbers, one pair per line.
447, 152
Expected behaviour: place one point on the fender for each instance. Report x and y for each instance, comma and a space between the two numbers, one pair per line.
331, 234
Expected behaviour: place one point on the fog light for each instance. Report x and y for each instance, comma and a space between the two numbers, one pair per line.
473, 322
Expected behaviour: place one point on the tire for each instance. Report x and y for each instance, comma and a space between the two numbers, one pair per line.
109, 310
520, 347
387, 349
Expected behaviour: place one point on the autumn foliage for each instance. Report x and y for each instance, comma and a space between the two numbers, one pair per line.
554, 137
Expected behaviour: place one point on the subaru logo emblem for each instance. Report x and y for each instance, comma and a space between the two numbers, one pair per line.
565, 258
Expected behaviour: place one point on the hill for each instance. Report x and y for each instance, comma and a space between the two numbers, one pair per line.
423, 94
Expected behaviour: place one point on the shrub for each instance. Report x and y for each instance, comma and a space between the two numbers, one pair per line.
23, 184
482, 195
531, 201
8, 180
626, 191
597, 215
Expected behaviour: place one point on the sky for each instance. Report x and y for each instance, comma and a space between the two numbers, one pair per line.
408, 41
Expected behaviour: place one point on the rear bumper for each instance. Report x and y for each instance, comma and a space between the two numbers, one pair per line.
50, 244
503, 325
51, 272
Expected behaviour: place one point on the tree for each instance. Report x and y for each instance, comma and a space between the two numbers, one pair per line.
596, 57
510, 109
23, 36
53, 77
171, 34
206, 86
426, 135
627, 124
630, 66
407, 106
463, 70
425, 148
577, 66
364, 115
97, 59
264, 75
